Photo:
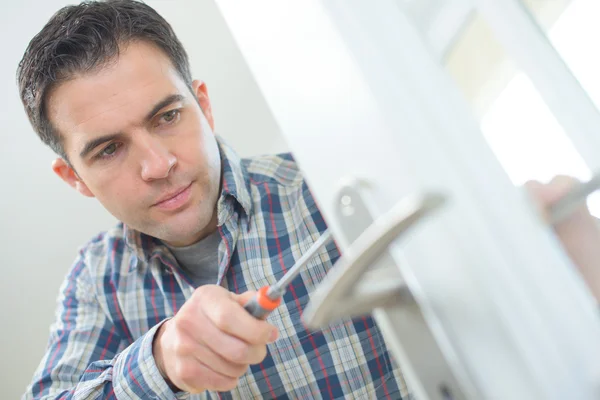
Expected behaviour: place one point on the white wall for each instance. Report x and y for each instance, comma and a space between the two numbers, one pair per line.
42, 221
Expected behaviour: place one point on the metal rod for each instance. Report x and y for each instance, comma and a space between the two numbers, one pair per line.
277, 289
572, 200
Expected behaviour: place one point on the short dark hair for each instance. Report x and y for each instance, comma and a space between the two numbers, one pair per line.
80, 39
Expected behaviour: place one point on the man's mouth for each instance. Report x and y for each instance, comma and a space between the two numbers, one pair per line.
174, 199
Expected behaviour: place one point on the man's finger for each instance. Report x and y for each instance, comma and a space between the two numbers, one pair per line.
217, 363
196, 377
243, 298
560, 185
230, 317
233, 349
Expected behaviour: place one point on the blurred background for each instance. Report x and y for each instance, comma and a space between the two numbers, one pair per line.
43, 221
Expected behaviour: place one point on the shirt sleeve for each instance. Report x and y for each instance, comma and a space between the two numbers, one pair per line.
87, 359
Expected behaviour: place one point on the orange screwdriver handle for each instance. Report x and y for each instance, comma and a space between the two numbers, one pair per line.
261, 305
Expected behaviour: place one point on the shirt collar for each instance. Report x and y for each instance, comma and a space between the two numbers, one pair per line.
235, 182
235, 191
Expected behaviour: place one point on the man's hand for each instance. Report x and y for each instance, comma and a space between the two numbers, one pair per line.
211, 341
579, 232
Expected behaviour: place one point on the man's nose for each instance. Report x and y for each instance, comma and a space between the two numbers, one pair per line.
157, 161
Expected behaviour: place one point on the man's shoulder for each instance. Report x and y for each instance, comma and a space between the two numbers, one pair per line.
107, 251
279, 176
281, 169
104, 239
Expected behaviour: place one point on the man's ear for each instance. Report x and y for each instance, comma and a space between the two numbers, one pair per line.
68, 174
199, 89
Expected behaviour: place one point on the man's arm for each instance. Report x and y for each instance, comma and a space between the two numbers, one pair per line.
82, 359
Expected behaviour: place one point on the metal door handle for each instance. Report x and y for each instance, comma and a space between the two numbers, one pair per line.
371, 245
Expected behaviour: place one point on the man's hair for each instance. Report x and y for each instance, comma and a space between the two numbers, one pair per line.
81, 39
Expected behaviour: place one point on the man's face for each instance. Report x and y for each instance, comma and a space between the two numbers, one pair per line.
141, 144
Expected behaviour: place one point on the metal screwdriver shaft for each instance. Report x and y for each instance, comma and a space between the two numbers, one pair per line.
269, 297
278, 289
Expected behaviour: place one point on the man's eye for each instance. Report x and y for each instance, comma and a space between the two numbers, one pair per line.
110, 149
170, 116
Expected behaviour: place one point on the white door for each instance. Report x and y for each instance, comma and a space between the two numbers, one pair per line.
358, 95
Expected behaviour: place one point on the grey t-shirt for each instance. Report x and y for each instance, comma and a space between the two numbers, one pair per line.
200, 260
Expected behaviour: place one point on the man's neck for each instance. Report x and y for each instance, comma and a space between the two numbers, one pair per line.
210, 228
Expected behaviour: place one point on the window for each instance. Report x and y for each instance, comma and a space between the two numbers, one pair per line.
520, 129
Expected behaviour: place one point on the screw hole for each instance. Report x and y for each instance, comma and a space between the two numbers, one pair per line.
446, 392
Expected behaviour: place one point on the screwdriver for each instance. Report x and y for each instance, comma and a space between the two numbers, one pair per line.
268, 298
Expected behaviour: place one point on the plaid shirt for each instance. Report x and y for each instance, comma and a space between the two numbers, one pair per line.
124, 284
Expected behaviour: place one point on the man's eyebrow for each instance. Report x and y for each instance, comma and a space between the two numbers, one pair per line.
92, 144
173, 98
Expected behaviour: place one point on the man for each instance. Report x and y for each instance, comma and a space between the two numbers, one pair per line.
153, 308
